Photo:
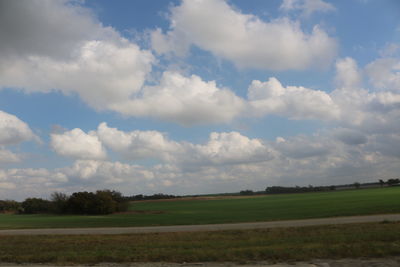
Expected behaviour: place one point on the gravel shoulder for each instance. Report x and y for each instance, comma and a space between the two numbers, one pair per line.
205, 227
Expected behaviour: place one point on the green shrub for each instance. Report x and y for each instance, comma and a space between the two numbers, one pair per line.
36, 205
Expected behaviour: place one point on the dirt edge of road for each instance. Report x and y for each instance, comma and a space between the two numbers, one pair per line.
375, 262
205, 227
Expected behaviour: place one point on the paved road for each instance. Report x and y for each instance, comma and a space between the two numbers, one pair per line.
203, 227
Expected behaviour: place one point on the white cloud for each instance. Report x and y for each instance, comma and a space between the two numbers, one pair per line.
221, 148
106, 172
350, 136
384, 73
368, 110
102, 73
226, 162
108, 72
228, 148
390, 50
30, 182
307, 7
137, 144
271, 97
7, 156
78, 144
13, 130
347, 73
301, 147
185, 100
51, 28
63, 47
7, 186
386, 144
244, 39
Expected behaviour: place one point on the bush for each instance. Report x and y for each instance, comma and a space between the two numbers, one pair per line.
36, 205
101, 202
121, 201
9, 206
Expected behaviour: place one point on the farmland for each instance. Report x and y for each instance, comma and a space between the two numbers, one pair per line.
226, 210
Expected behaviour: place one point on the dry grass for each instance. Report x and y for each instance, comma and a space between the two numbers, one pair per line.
355, 240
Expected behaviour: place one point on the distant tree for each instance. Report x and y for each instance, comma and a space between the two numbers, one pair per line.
357, 185
59, 201
9, 206
393, 181
104, 203
122, 203
101, 202
247, 192
81, 203
36, 205
381, 183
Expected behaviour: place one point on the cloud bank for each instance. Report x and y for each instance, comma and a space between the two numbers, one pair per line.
244, 39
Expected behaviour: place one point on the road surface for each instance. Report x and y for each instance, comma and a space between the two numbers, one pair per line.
203, 227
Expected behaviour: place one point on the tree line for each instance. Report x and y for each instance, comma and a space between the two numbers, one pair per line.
87, 203
310, 188
150, 197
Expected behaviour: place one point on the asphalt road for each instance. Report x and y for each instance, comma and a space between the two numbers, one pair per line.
203, 227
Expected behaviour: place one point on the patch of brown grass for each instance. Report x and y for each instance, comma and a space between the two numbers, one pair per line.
285, 244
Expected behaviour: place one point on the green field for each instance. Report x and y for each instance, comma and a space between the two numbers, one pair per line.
228, 210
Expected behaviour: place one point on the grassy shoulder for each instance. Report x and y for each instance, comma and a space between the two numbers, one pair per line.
250, 209
342, 241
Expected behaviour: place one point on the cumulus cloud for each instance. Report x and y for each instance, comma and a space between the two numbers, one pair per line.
294, 102
63, 47
7, 156
137, 144
384, 73
13, 130
106, 172
386, 144
307, 7
350, 136
78, 144
301, 147
221, 148
45, 28
229, 148
185, 100
108, 72
224, 163
347, 73
244, 39
30, 182
102, 73
369, 110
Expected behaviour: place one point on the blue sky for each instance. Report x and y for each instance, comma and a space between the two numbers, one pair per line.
192, 97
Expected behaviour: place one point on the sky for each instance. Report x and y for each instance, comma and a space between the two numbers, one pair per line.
197, 96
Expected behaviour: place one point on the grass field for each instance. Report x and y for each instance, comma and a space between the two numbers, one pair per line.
260, 208
322, 242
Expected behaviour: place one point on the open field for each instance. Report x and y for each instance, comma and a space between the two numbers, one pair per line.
283, 244
227, 210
